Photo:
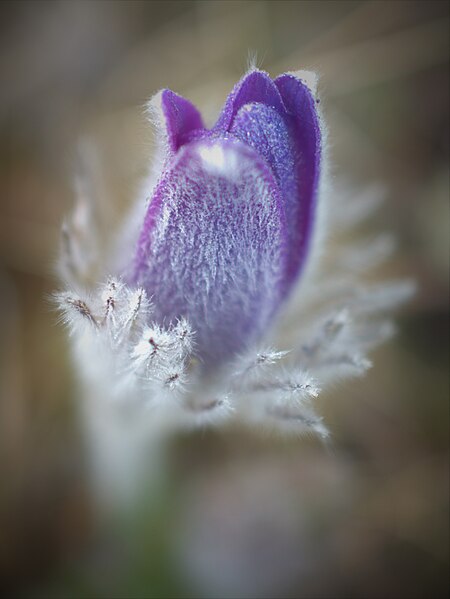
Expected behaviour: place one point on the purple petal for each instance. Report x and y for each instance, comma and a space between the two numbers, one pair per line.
290, 141
265, 130
256, 86
212, 247
303, 122
180, 118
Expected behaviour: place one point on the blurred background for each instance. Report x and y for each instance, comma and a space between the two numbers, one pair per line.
235, 514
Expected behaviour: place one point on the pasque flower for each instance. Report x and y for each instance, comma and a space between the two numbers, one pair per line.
229, 225
186, 318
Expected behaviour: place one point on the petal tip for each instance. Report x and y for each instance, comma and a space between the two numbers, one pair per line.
309, 78
174, 115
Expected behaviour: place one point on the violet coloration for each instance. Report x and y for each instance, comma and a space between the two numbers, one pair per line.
221, 306
230, 221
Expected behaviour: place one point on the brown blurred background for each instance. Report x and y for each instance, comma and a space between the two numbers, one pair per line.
236, 515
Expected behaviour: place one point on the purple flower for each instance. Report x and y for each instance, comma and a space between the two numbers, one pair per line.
178, 312
229, 225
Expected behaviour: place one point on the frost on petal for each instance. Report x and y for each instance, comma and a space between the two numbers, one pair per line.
212, 248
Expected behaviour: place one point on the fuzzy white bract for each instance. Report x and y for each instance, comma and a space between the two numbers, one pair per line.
326, 335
